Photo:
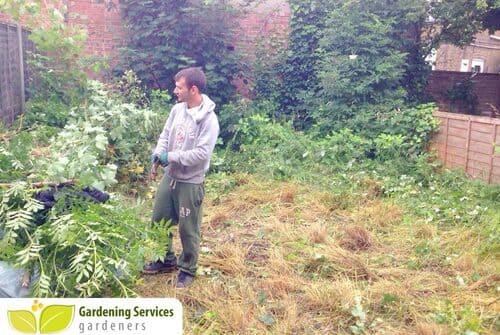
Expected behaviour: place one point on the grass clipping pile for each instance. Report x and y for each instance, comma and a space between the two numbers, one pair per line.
284, 258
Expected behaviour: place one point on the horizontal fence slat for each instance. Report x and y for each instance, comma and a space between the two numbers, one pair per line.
480, 147
481, 137
482, 127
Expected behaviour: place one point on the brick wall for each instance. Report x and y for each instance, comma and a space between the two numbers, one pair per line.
486, 87
262, 22
470, 143
486, 47
102, 21
263, 29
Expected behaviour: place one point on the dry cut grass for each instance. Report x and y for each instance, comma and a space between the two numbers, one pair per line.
283, 258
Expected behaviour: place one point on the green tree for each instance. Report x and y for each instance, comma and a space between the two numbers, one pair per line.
165, 36
416, 28
360, 66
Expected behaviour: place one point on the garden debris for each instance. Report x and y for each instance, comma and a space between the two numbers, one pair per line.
356, 238
50, 196
14, 283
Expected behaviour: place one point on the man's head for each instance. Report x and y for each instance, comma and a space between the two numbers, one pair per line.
189, 84
194, 76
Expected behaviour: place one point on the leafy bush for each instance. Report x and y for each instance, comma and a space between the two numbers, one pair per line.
276, 149
235, 120
58, 82
83, 249
260, 145
102, 138
297, 71
165, 36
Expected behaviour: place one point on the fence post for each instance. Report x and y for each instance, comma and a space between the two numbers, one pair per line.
446, 142
467, 144
21, 63
493, 144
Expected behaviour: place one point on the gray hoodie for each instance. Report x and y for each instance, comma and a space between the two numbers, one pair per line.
189, 139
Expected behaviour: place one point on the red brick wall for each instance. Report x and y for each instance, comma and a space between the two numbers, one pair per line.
485, 47
102, 21
486, 87
261, 22
263, 30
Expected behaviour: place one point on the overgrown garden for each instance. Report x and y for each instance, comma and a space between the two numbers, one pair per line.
326, 213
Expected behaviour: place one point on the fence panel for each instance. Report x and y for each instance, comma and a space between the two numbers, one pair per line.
470, 143
12, 88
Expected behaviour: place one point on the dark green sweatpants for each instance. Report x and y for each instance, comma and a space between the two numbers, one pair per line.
181, 203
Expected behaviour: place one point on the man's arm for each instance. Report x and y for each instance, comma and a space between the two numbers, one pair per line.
162, 144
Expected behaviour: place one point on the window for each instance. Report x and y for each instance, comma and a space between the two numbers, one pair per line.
464, 65
431, 59
477, 65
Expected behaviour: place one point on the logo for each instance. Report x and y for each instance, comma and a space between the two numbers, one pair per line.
90, 316
41, 319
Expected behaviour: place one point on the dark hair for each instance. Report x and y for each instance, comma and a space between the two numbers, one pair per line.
194, 76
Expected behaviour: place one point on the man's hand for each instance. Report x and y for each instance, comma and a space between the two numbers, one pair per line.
154, 172
164, 159
157, 159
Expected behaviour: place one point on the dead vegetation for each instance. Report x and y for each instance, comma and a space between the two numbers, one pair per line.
282, 258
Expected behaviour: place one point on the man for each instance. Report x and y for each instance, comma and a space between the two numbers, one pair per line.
184, 149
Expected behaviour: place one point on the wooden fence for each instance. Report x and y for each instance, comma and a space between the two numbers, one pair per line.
14, 48
471, 143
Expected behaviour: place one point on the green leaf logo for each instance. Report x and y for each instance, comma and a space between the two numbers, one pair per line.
56, 318
22, 321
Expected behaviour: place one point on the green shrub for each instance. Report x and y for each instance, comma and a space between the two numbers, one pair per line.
165, 36
360, 66
84, 249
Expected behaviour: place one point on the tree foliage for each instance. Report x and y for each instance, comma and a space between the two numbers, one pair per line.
165, 36
315, 63
57, 66
297, 70
360, 66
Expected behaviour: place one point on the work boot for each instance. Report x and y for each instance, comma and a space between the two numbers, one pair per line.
153, 268
184, 280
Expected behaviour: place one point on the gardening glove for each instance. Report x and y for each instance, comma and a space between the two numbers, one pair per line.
161, 159
164, 159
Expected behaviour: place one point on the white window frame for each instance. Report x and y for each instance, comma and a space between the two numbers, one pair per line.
477, 62
464, 65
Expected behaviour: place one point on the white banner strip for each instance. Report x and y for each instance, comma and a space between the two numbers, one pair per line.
88, 316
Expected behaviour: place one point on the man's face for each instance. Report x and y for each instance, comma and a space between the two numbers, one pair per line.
181, 90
